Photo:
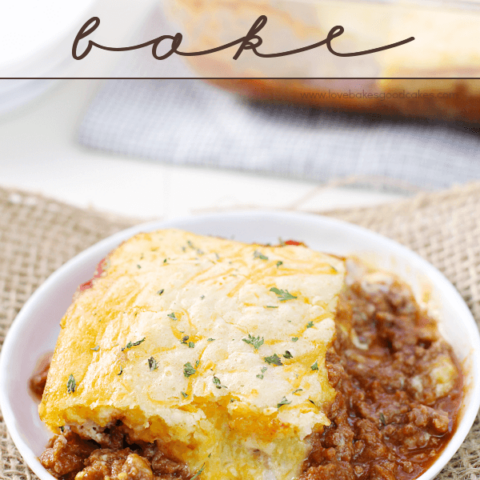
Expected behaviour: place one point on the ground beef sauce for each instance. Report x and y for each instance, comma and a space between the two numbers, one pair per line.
39, 378
399, 390
399, 386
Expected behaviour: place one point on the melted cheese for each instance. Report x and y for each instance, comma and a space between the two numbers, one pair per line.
212, 398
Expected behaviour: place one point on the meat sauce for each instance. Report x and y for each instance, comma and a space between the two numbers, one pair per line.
399, 387
399, 390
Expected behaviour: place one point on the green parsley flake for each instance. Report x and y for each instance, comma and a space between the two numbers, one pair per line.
197, 363
172, 316
279, 263
188, 370
120, 372
255, 342
283, 295
218, 383
139, 266
298, 390
271, 306
198, 473
152, 363
71, 385
260, 255
294, 339
274, 360
184, 395
287, 354
283, 402
165, 260
314, 366
202, 297
261, 376
211, 340
95, 349
191, 345
133, 344
310, 324
382, 419
160, 292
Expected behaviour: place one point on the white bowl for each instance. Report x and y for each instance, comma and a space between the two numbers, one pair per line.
36, 327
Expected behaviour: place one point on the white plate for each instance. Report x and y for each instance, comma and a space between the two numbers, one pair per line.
35, 329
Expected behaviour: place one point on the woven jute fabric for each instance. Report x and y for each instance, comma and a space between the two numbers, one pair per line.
38, 235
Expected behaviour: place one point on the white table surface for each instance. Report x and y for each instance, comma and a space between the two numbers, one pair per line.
39, 152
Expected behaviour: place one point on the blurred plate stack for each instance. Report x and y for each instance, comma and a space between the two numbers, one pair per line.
35, 41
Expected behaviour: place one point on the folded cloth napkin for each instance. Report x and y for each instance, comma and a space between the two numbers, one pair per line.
188, 122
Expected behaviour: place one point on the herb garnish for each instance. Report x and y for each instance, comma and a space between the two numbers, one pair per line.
95, 349
312, 402
283, 295
160, 292
287, 354
188, 370
165, 260
184, 395
279, 263
274, 360
198, 473
197, 363
71, 385
260, 255
255, 342
211, 340
283, 402
260, 376
314, 366
172, 316
184, 339
271, 306
152, 363
218, 383
382, 419
133, 344
139, 266
294, 339
310, 324
120, 372
191, 345
298, 390
190, 244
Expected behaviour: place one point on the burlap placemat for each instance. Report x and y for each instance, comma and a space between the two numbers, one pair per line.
37, 235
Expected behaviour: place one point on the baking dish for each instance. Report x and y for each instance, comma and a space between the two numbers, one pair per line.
445, 48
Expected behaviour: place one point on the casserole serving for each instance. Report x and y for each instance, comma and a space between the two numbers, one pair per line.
328, 454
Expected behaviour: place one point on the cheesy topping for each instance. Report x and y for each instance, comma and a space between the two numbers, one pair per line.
212, 347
